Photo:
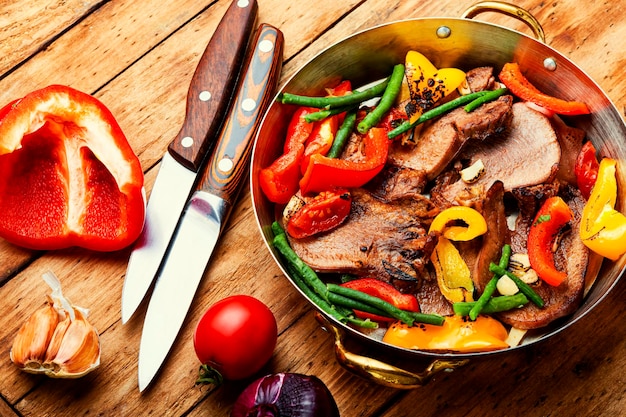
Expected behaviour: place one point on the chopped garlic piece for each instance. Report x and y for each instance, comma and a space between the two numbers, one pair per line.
530, 276
506, 286
519, 263
515, 336
473, 172
292, 207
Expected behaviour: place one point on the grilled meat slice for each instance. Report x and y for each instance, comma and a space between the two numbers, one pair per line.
442, 140
571, 142
528, 155
572, 256
439, 143
385, 240
480, 79
477, 253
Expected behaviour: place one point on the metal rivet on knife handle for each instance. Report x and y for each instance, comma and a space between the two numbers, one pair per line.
218, 81
248, 109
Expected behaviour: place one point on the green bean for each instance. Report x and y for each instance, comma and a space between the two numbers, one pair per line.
353, 304
323, 114
277, 229
523, 287
343, 134
302, 269
494, 305
490, 96
436, 112
389, 308
490, 288
434, 319
347, 100
316, 299
386, 101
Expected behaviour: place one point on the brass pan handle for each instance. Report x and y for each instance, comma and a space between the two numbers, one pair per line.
381, 372
509, 10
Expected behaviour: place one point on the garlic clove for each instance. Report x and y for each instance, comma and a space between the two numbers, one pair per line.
57, 340
30, 344
77, 352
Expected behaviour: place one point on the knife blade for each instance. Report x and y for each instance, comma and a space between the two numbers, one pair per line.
208, 100
207, 210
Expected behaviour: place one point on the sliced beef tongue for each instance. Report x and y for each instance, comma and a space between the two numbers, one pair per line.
440, 142
572, 257
384, 240
528, 155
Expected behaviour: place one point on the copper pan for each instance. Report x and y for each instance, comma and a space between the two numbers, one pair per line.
370, 55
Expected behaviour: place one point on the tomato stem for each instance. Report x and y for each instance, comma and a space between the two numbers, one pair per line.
208, 375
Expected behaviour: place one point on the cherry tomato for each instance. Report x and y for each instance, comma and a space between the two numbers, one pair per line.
323, 212
586, 169
236, 336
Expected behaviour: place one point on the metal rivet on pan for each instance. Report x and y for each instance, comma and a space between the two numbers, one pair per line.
266, 45
243, 3
205, 96
549, 64
248, 104
187, 141
443, 32
225, 165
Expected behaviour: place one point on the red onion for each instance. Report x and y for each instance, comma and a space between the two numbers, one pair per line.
286, 395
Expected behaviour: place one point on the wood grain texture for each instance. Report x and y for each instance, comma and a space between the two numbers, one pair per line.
139, 58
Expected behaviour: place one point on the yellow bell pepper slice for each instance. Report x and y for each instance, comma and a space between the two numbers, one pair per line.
427, 84
456, 334
453, 275
602, 228
446, 220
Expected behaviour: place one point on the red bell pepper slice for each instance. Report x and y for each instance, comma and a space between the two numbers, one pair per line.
586, 169
511, 76
323, 212
68, 176
279, 181
325, 173
321, 140
552, 216
323, 134
384, 291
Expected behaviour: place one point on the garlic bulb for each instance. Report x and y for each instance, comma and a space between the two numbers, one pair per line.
57, 340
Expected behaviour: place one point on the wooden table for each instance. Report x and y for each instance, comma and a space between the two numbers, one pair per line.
138, 57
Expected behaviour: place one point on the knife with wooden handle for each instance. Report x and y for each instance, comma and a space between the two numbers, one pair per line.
208, 100
207, 210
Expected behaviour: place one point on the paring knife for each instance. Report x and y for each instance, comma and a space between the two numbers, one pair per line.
207, 210
208, 101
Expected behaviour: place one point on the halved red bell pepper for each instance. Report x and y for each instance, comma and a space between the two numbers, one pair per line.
68, 176
323, 212
325, 173
552, 216
279, 181
511, 76
586, 169
384, 291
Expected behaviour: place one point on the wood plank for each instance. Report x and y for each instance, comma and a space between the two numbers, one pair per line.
101, 46
26, 28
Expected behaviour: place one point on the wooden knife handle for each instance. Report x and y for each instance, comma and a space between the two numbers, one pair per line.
213, 83
227, 166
